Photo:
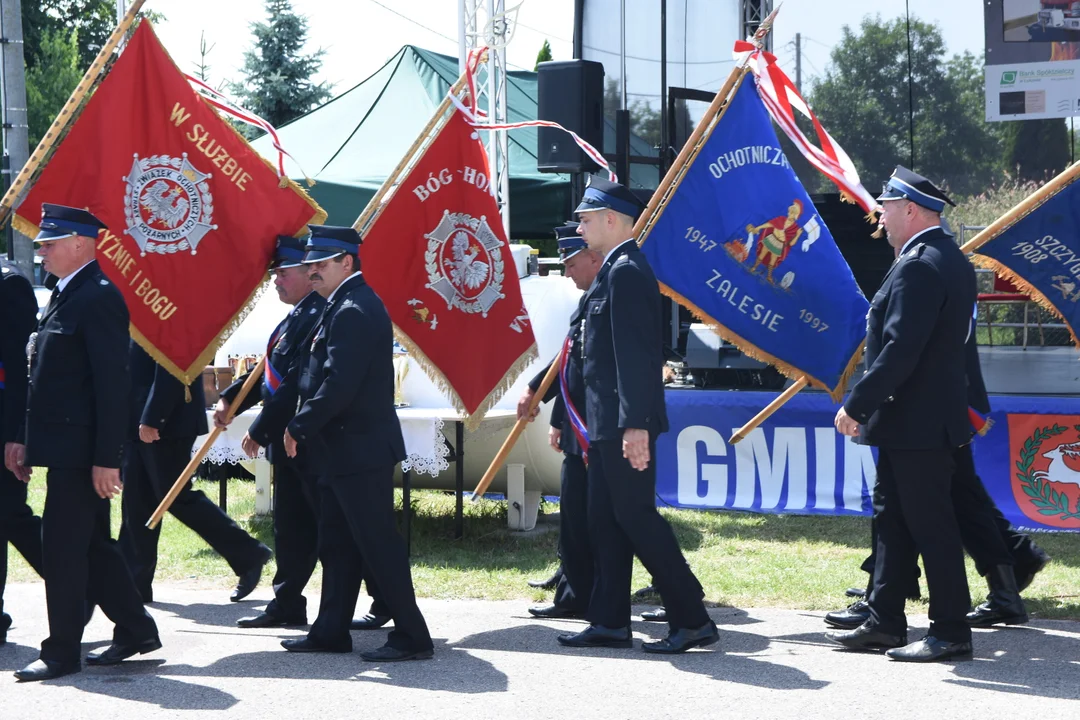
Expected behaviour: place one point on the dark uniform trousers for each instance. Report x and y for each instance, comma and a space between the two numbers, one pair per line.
623, 522
987, 536
80, 559
913, 504
18, 525
575, 586
359, 539
296, 533
149, 471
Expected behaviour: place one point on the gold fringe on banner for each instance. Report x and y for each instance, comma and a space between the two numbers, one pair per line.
472, 420
1025, 287
751, 350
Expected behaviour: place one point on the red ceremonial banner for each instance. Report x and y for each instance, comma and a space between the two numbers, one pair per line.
438, 257
193, 212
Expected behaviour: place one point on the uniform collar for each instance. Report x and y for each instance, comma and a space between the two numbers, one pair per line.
343, 284
909, 244
64, 281
615, 249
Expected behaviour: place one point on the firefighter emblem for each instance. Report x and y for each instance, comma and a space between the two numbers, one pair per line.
464, 263
167, 204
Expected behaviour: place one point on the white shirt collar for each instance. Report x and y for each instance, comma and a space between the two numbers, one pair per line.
612, 250
63, 282
331, 298
914, 237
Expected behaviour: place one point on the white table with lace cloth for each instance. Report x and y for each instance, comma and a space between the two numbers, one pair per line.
426, 449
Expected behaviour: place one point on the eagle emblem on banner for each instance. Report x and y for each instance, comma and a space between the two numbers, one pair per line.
464, 264
167, 204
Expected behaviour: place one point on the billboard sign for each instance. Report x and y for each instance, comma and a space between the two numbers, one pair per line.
1032, 59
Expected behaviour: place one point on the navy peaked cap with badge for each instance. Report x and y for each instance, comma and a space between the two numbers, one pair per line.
907, 185
602, 194
60, 221
329, 241
570, 243
288, 253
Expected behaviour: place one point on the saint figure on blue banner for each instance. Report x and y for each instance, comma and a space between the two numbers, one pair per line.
740, 244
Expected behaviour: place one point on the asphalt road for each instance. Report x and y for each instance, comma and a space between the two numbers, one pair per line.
492, 661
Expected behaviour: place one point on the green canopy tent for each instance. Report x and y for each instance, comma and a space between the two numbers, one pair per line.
351, 144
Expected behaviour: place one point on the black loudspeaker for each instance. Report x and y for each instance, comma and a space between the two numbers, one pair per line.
868, 258
570, 93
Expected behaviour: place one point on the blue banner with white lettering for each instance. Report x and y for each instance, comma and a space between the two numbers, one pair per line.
797, 463
740, 244
1041, 254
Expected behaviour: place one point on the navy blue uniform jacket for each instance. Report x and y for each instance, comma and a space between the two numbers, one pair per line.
77, 405
268, 429
159, 400
347, 418
914, 394
18, 316
623, 348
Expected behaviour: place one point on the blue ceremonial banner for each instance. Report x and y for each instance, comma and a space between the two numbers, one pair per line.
797, 463
739, 243
1040, 254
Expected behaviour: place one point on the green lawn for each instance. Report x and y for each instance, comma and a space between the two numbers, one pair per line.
742, 560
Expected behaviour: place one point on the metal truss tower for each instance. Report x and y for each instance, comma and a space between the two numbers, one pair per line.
752, 13
487, 23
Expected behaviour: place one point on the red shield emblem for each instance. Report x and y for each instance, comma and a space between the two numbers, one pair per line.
1045, 452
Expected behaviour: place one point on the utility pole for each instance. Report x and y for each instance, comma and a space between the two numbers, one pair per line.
16, 138
798, 62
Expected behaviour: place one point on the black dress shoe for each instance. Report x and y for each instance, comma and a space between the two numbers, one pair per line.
307, 645
5, 623
684, 639
249, 580
657, 615
855, 592
369, 622
46, 670
548, 584
116, 654
599, 636
867, 637
390, 654
930, 649
554, 612
265, 620
850, 617
986, 615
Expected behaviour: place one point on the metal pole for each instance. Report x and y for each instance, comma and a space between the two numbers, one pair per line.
910, 87
463, 41
798, 62
16, 133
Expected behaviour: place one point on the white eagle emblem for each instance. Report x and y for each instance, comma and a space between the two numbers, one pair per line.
167, 204
464, 263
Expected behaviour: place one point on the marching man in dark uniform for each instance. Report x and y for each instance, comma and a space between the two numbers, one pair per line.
624, 413
296, 530
18, 524
353, 438
166, 417
75, 422
566, 435
912, 404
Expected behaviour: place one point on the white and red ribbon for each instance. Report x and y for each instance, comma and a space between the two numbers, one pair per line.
782, 99
234, 110
478, 118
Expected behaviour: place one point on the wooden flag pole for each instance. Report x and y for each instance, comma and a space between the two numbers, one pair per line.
193, 464
515, 433
1028, 204
375, 205
769, 409
58, 129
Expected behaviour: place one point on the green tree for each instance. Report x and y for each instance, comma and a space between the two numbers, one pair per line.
277, 82
1036, 149
543, 56
863, 101
51, 80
